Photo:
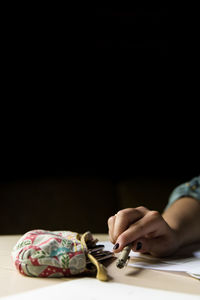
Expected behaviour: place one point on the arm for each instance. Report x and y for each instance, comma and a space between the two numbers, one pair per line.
183, 216
160, 235
183, 211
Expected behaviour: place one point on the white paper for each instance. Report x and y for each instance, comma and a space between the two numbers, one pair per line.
190, 265
92, 289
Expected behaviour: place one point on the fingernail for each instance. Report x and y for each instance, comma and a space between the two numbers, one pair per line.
139, 246
116, 246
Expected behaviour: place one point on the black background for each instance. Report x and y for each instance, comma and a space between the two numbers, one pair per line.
93, 94
143, 29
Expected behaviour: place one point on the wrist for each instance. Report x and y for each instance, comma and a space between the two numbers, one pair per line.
178, 236
176, 230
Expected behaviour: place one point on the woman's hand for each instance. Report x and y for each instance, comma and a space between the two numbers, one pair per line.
147, 229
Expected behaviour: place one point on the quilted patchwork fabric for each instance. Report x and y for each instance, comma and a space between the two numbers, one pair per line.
43, 253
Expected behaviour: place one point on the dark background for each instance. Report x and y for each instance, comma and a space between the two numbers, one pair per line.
144, 29
76, 173
59, 196
95, 117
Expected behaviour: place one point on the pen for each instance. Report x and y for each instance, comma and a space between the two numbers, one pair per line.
124, 256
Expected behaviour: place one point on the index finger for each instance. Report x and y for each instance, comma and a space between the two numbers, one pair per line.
152, 222
124, 218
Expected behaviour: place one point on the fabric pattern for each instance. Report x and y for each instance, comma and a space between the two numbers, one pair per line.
44, 253
189, 189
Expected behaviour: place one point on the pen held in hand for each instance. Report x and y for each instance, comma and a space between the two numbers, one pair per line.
124, 256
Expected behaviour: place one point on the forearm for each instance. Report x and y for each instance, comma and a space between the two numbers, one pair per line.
183, 216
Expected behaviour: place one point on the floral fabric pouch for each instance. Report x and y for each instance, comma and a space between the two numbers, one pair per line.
43, 253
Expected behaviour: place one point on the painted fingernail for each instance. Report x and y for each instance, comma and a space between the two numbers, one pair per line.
139, 246
116, 246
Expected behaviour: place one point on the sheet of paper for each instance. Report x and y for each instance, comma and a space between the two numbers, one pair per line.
92, 289
190, 265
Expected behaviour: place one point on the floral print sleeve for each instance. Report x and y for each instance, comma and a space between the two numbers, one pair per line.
189, 189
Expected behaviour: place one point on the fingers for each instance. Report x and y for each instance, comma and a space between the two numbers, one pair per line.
150, 225
123, 219
141, 245
111, 224
159, 247
146, 229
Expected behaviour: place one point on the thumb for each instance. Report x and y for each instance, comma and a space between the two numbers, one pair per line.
156, 246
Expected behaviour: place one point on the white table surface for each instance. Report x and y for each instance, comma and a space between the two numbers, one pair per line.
11, 282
